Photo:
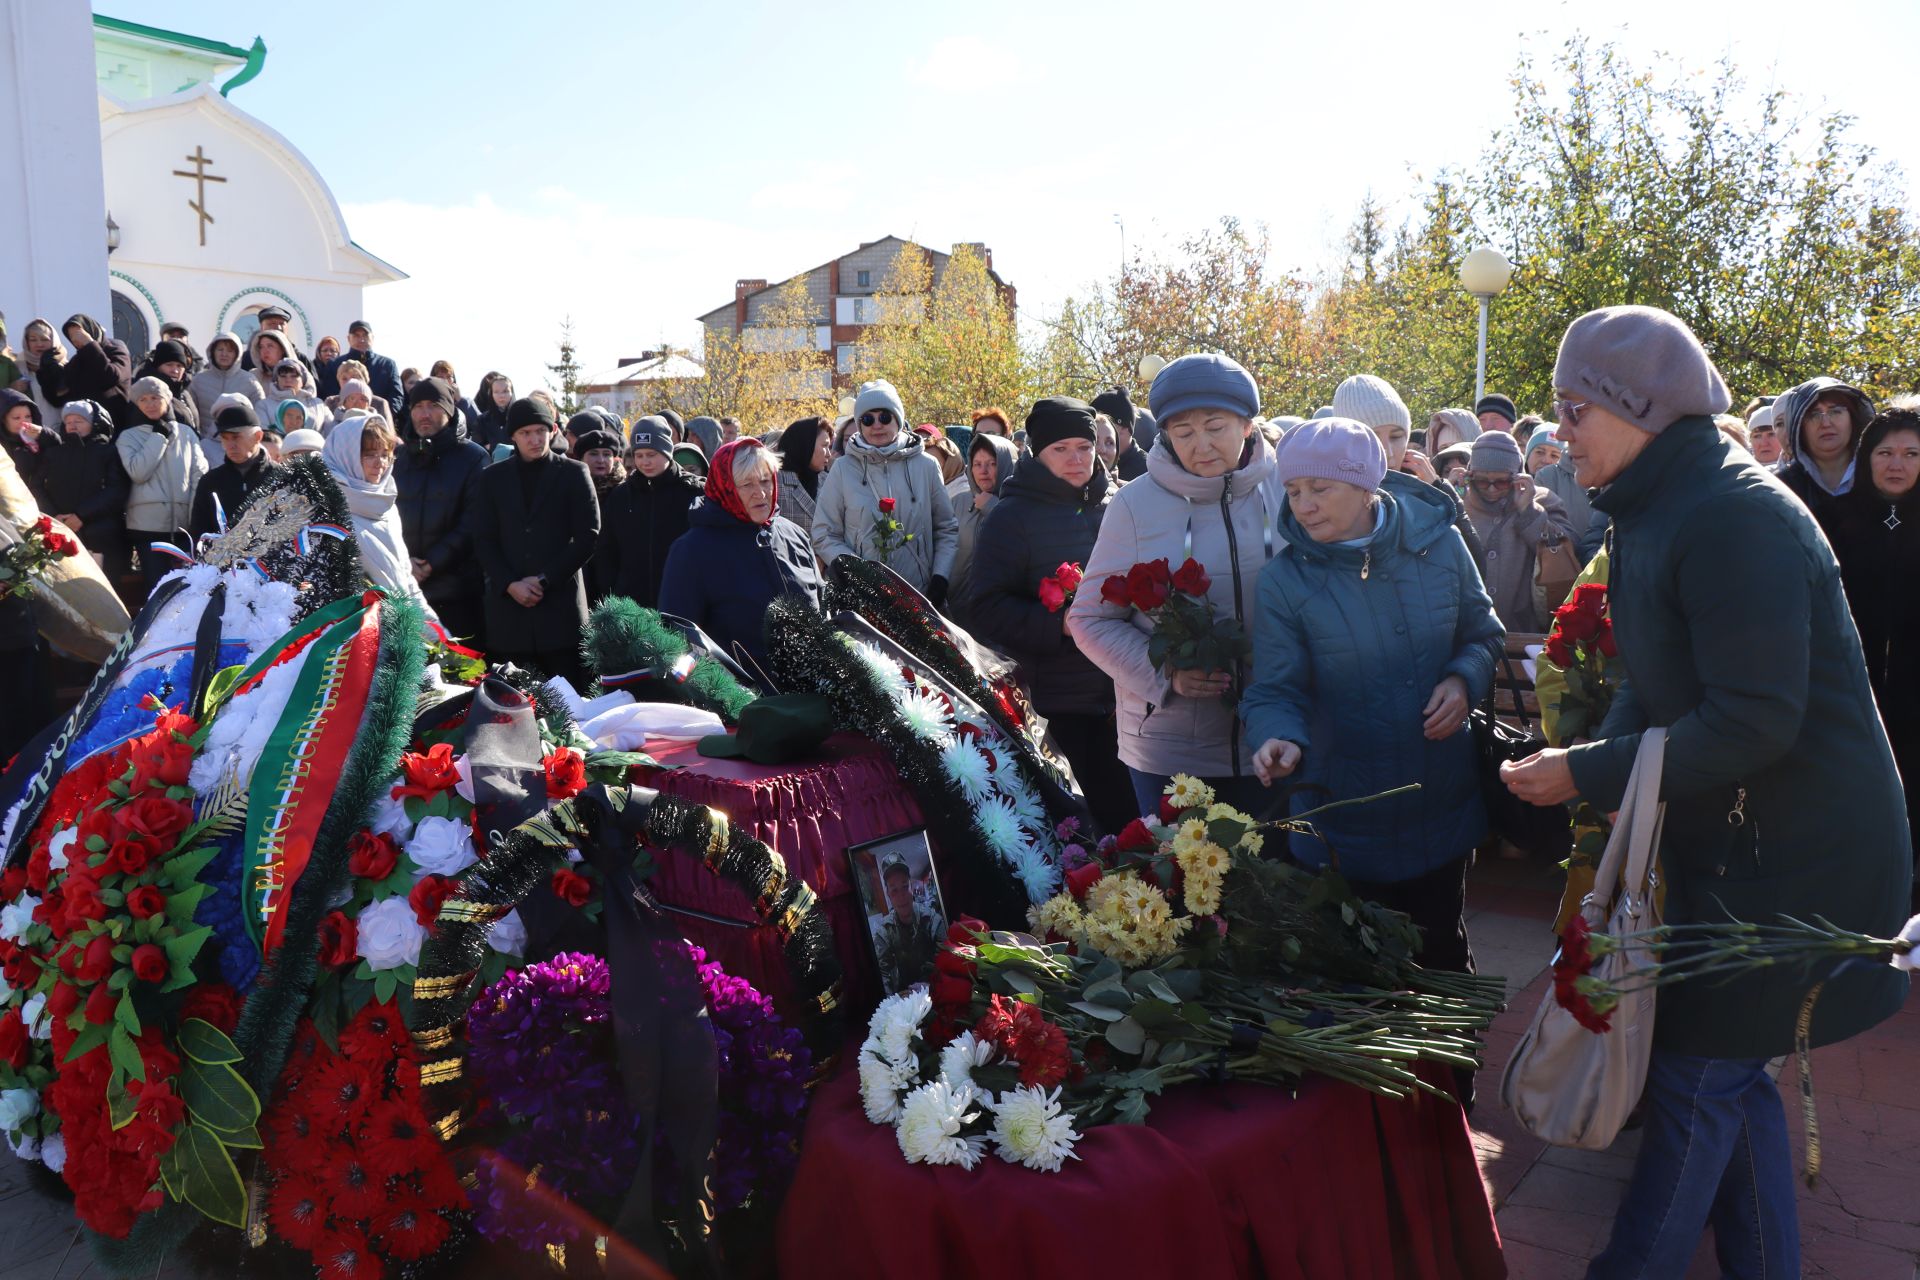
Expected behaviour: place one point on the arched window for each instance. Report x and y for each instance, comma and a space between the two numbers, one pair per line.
130, 326
247, 323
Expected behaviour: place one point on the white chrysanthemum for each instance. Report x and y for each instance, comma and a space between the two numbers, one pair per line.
17, 1106
884, 669
959, 1059
1030, 1129
879, 1089
926, 716
1028, 806
1000, 827
34, 1014
895, 1023
54, 1152
966, 768
58, 846
389, 817
16, 916
1188, 792
1040, 877
932, 1126
442, 846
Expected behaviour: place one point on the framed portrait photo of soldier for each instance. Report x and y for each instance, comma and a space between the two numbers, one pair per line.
900, 895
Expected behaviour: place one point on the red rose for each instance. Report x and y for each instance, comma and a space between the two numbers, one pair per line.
1169, 811
1603, 640
566, 774
12, 882
39, 867
13, 1040
63, 1000
97, 962
339, 940
965, 931
1070, 576
132, 853
886, 506
1147, 587
571, 887
373, 857
150, 963
81, 898
428, 893
101, 1002
1082, 878
429, 773
1115, 591
948, 990
214, 1002
19, 969
155, 820
1559, 651
1135, 838
146, 901
1191, 579
1052, 595
43, 526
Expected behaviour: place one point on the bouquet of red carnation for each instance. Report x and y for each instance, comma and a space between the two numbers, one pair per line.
1188, 635
41, 543
1056, 592
889, 535
1581, 645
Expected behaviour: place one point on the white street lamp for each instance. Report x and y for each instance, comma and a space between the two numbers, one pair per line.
846, 406
1150, 367
1484, 273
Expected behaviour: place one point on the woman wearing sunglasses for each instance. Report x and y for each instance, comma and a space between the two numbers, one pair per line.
886, 461
1514, 518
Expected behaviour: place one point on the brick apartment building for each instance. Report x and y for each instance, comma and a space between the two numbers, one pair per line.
842, 292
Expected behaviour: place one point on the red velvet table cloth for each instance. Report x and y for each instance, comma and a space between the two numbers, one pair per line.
809, 811
1240, 1180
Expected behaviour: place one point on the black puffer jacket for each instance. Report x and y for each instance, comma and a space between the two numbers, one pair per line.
84, 478
100, 370
1039, 524
31, 463
490, 428
230, 485
438, 476
638, 526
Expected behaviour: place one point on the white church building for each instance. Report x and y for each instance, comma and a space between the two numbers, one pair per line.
209, 214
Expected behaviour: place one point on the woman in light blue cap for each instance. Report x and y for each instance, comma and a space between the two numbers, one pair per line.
1542, 449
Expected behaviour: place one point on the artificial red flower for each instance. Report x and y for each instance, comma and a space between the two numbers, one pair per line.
392, 1138
1191, 578
13, 1040
297, 1208
886, 506
339, 940
409, 1229
12, 881
97, 961
428, 773
80, 901
1082, 878
62, 1000
158, 1061
372, 857
142, 902
571, 887
566, 774
39, 867
160, 1106
355, 1191
20, 969
155, 819
150, 963
1136, 838
428, 893
1148, 585
215, 1003
375, 1035
344, 1254
343, 1088
1114, 591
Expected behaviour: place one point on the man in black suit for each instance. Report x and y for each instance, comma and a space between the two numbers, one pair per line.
534, 527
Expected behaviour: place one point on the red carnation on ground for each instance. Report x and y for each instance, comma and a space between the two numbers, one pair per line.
427, 773
428, 893
566, 774
372, 857
1023, 1033
571, 887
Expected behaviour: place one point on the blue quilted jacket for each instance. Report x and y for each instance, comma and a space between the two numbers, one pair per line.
1350, 644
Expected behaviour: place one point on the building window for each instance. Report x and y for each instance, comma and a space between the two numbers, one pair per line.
865, 279
843, 356
859, 310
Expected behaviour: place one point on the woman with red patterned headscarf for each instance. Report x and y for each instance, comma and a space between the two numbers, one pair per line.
738, 554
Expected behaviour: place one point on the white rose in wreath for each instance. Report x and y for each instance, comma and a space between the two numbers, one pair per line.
389, 935
58, 846
509, 935
442, 846
389, 816
17, 1106
16, 916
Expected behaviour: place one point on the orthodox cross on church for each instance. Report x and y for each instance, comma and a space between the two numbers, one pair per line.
201, 178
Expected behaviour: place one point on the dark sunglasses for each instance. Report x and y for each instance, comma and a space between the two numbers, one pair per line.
1491, 484
877, 418
1568, 412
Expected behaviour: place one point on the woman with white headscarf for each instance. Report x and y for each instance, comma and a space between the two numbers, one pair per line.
359, 453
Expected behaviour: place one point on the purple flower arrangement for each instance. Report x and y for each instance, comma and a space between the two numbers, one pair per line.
541, 1053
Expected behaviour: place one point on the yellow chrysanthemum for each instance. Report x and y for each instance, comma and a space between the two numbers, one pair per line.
1252, 842
1059, 915
1218, 811
1188, 792
1189, 835
1202, 890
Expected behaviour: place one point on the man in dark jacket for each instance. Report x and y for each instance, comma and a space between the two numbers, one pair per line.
642, 517
86, 487
534, 521
438, 474
1780, 787
101, 370
245, 469
383, 375
1048, 515
1821, 421
1131, 460
171, 362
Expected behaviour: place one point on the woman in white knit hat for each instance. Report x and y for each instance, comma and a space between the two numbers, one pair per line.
1373, 403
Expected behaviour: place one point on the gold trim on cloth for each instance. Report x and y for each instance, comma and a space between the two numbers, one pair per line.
448, 1126
460, 911
441, 987
804, 901
719, 829
775, 886
434, 1040
827, 999
442, 1071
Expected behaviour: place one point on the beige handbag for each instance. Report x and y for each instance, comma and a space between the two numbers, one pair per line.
1569, 1085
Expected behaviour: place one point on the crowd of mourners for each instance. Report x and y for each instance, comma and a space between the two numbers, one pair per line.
1763, 574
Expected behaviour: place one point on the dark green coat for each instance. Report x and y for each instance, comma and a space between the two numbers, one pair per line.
1735, 636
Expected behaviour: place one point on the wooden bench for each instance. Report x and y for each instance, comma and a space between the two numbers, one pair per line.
1510, 677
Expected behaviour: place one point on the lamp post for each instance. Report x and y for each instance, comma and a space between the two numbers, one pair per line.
1150, 367
113, 233
1483, 273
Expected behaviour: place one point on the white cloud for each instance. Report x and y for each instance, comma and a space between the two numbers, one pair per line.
961, 63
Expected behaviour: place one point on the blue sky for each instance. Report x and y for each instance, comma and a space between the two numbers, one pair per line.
623, 164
